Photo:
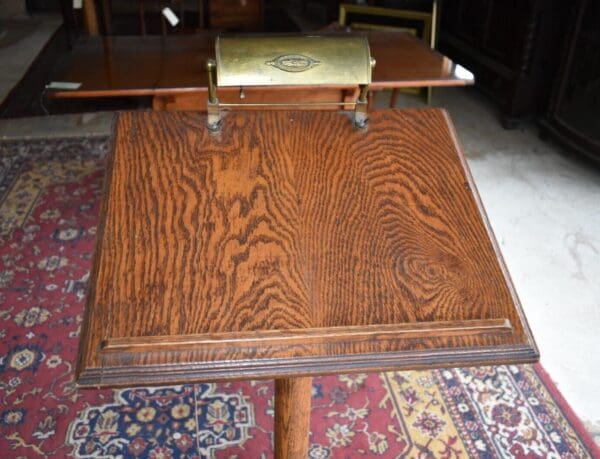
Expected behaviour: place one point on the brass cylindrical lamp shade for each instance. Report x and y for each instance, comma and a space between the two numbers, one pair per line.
292, 60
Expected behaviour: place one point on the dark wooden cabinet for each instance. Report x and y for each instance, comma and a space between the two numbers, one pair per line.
573, 116
510, 45
236, 14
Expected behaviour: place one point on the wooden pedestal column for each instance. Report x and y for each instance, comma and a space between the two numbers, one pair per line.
292, 417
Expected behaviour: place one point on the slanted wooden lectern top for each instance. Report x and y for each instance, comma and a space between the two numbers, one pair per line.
286, 244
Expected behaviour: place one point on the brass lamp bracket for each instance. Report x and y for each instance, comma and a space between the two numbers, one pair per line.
336, 61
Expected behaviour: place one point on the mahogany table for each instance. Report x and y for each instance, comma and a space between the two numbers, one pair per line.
172, 70
291, 244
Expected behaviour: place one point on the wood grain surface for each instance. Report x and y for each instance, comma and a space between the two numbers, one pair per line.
292, 417
292, 244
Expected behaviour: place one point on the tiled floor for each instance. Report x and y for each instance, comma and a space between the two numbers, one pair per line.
543, 204
87, 124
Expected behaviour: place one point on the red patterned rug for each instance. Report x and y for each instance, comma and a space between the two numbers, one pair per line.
49, 195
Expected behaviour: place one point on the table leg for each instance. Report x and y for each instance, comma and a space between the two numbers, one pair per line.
90, 17
371, 100
107, 17
394, 97
201, 14
292, 417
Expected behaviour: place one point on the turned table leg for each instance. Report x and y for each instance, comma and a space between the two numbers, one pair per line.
292, 417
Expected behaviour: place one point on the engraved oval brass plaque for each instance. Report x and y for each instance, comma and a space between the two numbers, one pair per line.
293, 63
288, 60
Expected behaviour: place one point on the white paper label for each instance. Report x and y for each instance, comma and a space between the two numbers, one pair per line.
68, 85
170, 16
77, 4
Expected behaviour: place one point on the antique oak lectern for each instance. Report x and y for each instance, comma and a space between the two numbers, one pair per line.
290, 243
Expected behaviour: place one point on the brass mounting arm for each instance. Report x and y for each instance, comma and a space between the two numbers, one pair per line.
213, 115
337, 61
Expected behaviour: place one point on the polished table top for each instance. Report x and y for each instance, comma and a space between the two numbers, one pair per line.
155, 65
291, 243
